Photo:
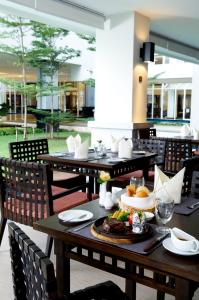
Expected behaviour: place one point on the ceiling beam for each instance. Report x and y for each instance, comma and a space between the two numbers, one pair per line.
56, 13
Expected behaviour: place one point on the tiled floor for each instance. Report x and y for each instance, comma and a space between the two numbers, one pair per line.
81, 277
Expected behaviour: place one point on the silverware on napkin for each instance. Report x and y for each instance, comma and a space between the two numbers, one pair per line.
155, 242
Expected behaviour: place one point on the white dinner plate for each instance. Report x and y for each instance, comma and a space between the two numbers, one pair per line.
115, 160
139, 152
74, 215
149, 215
168, 245
57, 154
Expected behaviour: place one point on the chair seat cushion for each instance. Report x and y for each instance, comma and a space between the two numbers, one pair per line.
57, 176
60, 204
139, 173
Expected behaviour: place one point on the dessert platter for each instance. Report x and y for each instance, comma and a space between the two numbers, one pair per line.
137, 198
122, 227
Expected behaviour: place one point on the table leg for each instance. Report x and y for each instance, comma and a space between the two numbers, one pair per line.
130, 286
183, 289
62, 268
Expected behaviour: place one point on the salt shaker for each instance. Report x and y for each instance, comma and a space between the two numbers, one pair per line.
108, 203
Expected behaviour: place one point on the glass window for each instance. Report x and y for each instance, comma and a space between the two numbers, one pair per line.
187, 104
149, 103
165, 104
179, 104
157, 103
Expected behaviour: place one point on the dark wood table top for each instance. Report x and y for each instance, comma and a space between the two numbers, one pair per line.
186, 267
100, 163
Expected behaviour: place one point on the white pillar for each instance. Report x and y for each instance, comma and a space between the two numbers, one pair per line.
195, 97
171, 104
120, 99
45, 102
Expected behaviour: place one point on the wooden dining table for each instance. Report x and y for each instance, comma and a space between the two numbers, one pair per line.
92, 165
174, 274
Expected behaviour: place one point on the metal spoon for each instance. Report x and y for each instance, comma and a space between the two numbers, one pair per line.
193, 205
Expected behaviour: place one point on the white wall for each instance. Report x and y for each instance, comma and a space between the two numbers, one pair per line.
195, 98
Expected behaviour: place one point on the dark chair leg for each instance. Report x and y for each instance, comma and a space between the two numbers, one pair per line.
49, 245
160, 295
2, 228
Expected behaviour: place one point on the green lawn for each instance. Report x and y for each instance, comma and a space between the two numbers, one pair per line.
57, 144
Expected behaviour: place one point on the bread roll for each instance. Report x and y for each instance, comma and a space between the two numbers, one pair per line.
143, 189
131, 189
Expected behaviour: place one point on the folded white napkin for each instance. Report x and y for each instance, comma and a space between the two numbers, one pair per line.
81, 150
115, 144
72, 142
195, 133
125, 149
185, 130
168, 188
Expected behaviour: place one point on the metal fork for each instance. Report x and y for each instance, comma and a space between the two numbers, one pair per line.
193, 205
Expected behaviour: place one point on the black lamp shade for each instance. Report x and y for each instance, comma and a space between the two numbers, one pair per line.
147, 52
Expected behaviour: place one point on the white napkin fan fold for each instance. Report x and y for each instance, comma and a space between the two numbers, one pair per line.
168, 188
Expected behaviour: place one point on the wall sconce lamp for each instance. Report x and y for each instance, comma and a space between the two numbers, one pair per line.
147, 52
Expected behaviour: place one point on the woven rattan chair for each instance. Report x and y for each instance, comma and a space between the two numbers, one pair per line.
34, 277
29, 151
177, 150
191, 165
26, 194
195, 184
150, 145
146, 133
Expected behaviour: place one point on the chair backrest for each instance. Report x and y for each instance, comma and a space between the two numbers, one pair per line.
155, 146
146, 133
28, 150
25, 191
191, 165
32, 271
195, 184
34, 278
177, 150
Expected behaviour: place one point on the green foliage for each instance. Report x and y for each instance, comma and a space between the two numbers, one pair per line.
7, 131
15, 28
12, 130
55, 118
90, 82
45, 53
4, 109
90, 39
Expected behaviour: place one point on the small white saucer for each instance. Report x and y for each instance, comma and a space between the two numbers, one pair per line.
74, 215
149, 215
168, 245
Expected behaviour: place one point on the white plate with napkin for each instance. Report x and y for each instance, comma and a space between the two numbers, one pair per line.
75, 216
168, 245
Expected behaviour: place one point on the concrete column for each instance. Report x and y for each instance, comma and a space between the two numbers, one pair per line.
121, 77
195, 96
45, 102
171, 104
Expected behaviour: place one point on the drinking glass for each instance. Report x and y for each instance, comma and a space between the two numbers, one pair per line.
137, 181
164, 211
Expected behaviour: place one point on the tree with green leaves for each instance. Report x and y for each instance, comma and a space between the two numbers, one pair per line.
49, 57
16, 28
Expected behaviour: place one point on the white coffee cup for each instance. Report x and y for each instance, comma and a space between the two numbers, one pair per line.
184, 241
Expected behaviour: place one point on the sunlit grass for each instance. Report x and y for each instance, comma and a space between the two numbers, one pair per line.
57, 144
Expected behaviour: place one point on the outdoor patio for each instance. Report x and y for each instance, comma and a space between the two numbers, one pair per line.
81, 275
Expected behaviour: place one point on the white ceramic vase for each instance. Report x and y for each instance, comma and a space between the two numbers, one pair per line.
102, 193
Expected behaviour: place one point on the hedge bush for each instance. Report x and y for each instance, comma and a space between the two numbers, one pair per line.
12, 131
